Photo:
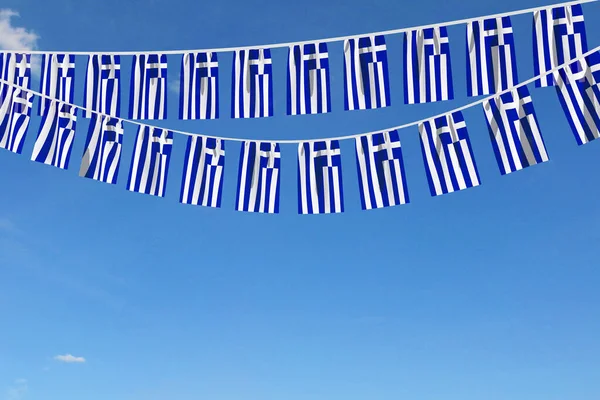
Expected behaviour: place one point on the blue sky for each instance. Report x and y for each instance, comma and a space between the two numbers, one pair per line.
490, 293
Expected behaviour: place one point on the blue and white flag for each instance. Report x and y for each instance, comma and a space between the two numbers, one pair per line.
58, 79
150, 162
252, 89
320, 188
203, 172
515, 131
55, 139
199, 89
447, 154
14, 120
559, 36
103, 85
258, 179
491, 63
308, 79
148, 97
16, 68
427, 67
102, 155
366, 81
381, 170
578, 88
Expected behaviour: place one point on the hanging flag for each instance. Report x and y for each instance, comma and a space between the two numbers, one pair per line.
148, 97
491, 63
103, 85
578, 88
199, 96
16, 68
559, 36
447, 154
252, 87
203, 172
102, 155
320, 178
150, 162
57, 81
514, 131
367, 85
55, 139
258, 179
308, 79
14, 120
381, 170
427, 69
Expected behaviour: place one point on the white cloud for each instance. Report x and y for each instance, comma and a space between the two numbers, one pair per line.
18, 391
13, 37
174, 86
68, 358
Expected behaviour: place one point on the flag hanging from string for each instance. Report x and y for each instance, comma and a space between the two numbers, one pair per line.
491, 63
102, 156
252, 87
203, 172
57, 80
150, 162
308, 79
55, 139
103, 85
16, 68
199, 93
381, 173
148, 95
258, 178
14, 120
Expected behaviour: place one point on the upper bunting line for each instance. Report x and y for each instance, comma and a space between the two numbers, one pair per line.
325, 40
296, 141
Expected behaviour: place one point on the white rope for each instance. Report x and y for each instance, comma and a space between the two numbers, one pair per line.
326, 40
296, 141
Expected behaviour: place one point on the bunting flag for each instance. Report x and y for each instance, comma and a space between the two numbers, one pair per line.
150, 162
320, 178
491, 63
308, 79
515, 131
447, 154
103, 85
55, 139
148, 95
427, 69
578, 88
203, 172
252, 87
57, 81
102, 155
199, 93
381, 170
14, 120
366, 81
258, 178
559, 36
16, 68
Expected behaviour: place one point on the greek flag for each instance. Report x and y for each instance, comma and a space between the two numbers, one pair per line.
57, 81
578, 88
102, 155
203, 172
514, 131
103, 85
55, 139
320, 178
199, 96
308, 79
258, 180
16, 68
14, 120
252, 84
367, 84
447, 154
148, 87
427, 69
491, 64
150, 162
559, 35
381, 170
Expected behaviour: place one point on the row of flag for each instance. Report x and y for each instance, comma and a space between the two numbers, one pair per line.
559, 36
449, 162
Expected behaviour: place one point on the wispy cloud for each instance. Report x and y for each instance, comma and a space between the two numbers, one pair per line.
18, 390
6, 225
68, 358
173, 85
14, 37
